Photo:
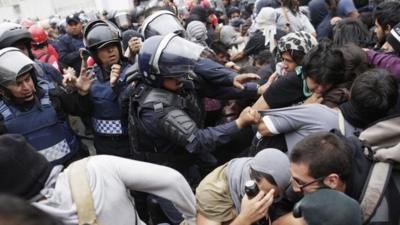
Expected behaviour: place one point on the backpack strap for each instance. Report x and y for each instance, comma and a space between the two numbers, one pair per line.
40, 55
81, 193
382, 139
341, 123
374, 191
46, 60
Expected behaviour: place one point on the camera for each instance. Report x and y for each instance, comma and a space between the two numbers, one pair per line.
251, 189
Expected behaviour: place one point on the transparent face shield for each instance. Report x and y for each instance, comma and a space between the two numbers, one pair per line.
123, 20
177, 56
162, 23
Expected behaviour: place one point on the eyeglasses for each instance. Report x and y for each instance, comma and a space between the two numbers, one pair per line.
304, 185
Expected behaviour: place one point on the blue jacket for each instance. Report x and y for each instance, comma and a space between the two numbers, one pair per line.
68, 48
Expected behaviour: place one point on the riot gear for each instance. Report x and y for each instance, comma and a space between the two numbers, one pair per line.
11, 33
161, 23
99, 33
13, 63
123, 20
41, 119
167, 57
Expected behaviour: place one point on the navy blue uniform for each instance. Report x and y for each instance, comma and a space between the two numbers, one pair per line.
161, 147
110, 129
43, 122
68, 48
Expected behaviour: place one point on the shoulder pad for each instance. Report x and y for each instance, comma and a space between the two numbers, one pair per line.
178, 127
156, 95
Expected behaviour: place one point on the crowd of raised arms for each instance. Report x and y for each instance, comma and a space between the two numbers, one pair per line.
263, 112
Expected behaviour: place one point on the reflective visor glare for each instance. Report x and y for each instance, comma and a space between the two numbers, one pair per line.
165, 24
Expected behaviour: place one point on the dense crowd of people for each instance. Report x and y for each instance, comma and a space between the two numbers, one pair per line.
213, 112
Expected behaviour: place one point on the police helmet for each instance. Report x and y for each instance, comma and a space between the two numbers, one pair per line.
11, 33
168, 56
161, 23
14, 63
99, 33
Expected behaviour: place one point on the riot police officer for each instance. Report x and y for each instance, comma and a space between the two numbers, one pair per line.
162, 22
103, 83
29, 106
14, 35
166, 113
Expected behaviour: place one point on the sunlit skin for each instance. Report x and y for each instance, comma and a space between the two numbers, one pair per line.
23, 90
109, 55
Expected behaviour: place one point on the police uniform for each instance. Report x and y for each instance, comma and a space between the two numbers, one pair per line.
39, 120
68, 47
110, 131
167, 127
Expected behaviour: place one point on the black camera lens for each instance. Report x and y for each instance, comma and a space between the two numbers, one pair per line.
251, 189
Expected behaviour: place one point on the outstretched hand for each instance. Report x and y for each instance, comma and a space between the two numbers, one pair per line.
82, 83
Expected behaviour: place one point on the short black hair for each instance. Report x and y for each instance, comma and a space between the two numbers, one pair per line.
374, 93
356, 61
14, 211
297, 56
387, 13
351, 30
233, 10
264, 57
325, 64
219, 48
324, 153
291, 5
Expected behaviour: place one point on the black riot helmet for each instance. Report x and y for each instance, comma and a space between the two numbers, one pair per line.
12, 33
14, 63
100, 33
168, 56
161, 23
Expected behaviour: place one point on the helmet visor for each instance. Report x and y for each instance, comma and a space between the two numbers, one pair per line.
123, 20
162, 25
179, 56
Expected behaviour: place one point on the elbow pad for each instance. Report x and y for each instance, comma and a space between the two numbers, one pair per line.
178, 127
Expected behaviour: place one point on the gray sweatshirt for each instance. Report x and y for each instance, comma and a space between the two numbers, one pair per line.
110, 179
